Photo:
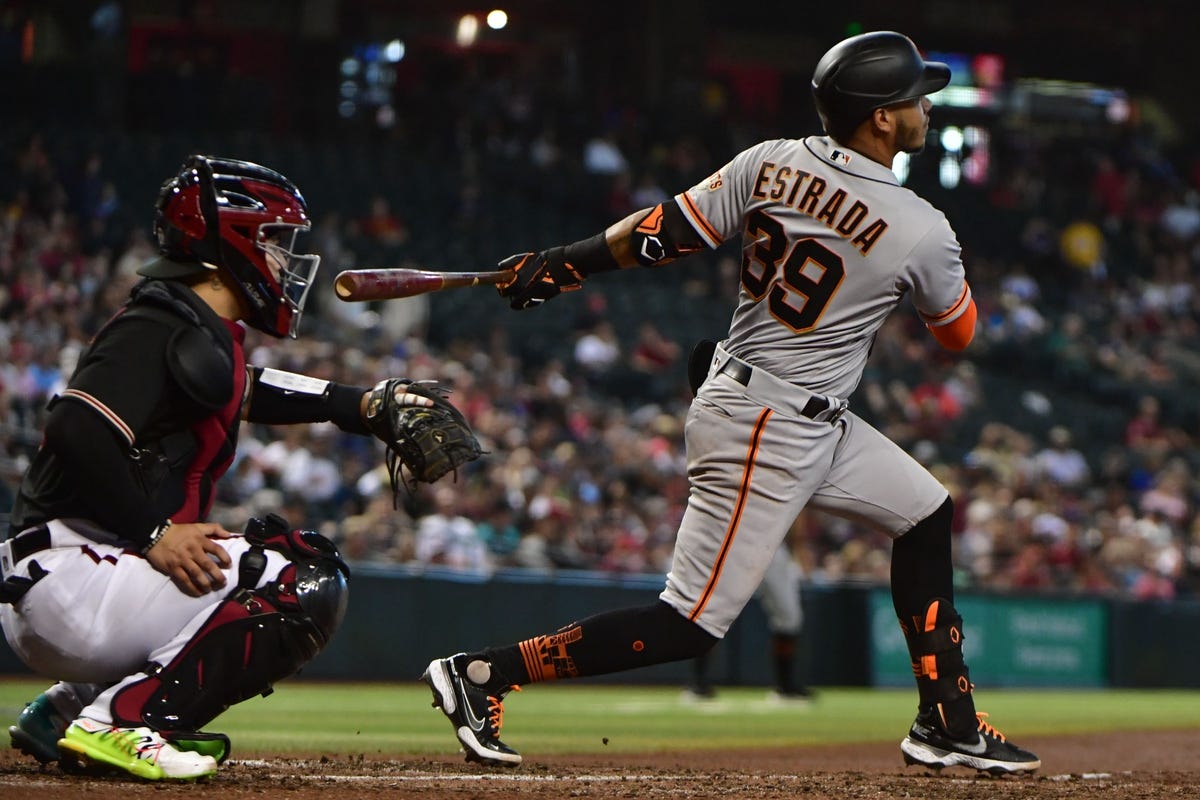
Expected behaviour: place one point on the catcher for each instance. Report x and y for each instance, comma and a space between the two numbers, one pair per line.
153, 620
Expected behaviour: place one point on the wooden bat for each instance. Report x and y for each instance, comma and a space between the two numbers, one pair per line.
358, 285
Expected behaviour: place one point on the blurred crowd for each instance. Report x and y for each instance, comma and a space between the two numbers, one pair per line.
1067, 433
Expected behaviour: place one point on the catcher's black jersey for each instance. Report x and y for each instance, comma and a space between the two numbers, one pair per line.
126, 445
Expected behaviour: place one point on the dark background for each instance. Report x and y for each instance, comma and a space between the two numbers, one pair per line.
274, 63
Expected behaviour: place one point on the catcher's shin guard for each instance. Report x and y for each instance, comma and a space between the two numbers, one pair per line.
943, 681
254, 638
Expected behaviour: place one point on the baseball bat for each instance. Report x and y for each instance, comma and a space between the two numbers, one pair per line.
358, 285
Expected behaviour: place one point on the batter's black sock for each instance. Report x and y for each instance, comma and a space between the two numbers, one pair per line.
922, 564
614, 641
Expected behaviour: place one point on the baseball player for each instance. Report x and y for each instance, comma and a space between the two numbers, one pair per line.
779, 594
153, 620
830, 245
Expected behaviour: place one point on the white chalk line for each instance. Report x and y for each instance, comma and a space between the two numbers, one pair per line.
518, 777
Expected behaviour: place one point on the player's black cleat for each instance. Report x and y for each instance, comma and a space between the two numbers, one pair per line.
475, 713
928, 744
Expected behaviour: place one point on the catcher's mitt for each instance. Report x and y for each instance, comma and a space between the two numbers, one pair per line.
425, 441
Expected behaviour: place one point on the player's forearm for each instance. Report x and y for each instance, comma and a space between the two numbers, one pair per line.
649, 237
620, 239
652, 237
285, 398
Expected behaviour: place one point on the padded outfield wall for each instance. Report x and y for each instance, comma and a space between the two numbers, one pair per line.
401, 618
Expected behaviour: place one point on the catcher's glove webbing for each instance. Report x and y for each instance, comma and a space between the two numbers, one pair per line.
426, 441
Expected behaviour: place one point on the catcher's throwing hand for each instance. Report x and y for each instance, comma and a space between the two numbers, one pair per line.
425, 434
189, 556
539, 276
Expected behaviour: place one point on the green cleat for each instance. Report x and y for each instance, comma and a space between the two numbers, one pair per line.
140, 752
38, 729
215, 745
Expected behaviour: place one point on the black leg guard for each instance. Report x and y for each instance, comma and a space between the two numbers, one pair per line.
252, 639
943, 681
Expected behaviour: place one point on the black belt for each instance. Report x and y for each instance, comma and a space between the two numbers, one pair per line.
29, 542
740, 371
21, 547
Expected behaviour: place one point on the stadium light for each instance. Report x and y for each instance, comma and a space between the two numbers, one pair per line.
468, 30
497, 19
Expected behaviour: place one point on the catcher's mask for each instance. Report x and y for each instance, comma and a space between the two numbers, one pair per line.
220, 213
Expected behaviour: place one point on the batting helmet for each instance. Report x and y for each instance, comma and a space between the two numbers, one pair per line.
233, 215
868, 71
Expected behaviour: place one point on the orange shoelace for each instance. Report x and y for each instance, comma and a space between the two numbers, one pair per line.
496, 709
986, 728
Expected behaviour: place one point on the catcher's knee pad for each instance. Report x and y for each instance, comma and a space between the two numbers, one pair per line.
943, 680
321, 572
252, 639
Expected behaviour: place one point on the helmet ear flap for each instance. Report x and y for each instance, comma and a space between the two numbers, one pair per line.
208, 205
187, 225
208, 240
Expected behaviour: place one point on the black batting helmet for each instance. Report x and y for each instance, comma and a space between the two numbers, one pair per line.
863, 73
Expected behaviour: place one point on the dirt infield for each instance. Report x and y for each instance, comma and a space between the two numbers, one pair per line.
1158, 764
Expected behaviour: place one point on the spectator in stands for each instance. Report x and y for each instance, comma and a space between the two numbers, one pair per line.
1061, 463
597, 350
500, 534
381, 533
446, 537
1180, 219
1168, 498
1110, 190
602, 155
381, 225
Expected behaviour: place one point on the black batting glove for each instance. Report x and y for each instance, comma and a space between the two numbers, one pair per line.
539, 276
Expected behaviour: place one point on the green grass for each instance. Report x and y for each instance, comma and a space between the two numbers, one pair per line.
397, 720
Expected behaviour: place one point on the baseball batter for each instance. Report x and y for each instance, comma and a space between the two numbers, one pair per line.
830, 245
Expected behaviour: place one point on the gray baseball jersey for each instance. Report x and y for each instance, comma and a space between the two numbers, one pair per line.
831, 243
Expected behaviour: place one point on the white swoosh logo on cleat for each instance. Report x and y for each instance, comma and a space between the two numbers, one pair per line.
979, 748
473, 721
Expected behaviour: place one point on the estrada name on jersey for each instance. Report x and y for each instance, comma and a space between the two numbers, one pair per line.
787, 181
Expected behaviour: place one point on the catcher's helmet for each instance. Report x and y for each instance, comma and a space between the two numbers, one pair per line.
219, 213
865, 72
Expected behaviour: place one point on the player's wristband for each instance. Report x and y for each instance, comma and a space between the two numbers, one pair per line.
345, 407
156, 536
591, 255
284, 398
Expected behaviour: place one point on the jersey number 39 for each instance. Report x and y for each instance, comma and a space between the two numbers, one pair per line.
810, 276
